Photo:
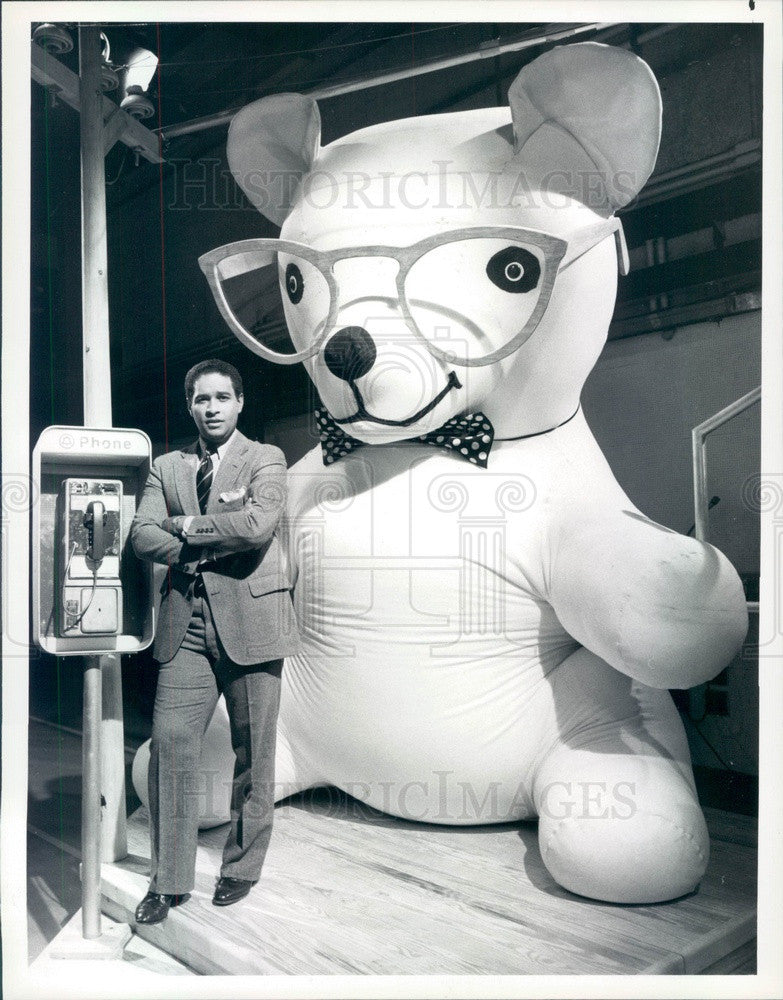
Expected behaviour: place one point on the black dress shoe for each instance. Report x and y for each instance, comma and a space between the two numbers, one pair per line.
231, 890
155, 906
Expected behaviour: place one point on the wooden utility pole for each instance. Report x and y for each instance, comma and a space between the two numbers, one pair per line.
97, 403
103, 781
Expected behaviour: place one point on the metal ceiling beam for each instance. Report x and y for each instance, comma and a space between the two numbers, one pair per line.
710, 170
488, 50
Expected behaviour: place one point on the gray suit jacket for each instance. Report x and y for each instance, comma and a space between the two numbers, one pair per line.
249, 593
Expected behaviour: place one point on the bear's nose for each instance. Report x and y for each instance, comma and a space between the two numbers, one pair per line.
350, 353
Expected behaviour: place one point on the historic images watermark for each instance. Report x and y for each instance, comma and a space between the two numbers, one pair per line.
473, 528
763, 494
442, 798
20, 494
207, 185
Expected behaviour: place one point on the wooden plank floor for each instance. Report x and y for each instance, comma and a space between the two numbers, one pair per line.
346, 889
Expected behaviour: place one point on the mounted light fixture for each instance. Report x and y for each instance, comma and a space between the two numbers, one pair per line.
135, 77
109, 79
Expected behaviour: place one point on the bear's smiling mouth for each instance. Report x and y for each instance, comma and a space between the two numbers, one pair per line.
363, 414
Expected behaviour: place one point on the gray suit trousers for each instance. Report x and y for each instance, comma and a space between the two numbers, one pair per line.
188, 689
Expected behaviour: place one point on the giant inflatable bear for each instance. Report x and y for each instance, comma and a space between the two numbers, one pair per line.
489, 625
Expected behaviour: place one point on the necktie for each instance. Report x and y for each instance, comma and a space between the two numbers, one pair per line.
204, 481
469, 437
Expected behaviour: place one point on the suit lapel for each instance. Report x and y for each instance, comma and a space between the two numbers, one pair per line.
185, 479
226, 475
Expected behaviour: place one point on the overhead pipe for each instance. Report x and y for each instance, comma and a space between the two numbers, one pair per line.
489, 50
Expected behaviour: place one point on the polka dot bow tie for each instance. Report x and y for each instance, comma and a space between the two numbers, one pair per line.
468, 437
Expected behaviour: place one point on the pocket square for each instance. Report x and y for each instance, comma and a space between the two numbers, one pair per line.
232, 495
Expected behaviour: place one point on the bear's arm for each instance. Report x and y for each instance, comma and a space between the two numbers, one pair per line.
661, 607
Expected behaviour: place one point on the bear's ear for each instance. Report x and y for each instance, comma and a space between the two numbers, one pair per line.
587, 123
272, 143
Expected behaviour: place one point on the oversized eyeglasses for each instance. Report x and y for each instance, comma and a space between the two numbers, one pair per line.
251, 279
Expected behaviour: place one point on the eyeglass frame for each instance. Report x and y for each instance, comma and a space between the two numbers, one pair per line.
558, 252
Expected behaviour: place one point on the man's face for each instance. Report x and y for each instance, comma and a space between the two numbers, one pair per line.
215, 407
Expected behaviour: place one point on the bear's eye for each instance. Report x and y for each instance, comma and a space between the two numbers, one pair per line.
294, 283
514, 270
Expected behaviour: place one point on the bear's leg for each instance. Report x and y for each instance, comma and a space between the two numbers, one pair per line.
618, 815
216, 770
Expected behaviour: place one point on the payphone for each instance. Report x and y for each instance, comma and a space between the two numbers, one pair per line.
91, 594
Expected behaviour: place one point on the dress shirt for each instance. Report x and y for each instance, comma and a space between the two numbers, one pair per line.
217, 456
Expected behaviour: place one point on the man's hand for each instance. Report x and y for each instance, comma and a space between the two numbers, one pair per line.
173, 525
247, 527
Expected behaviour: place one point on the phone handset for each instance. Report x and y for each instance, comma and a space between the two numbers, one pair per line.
91, 528
94, 521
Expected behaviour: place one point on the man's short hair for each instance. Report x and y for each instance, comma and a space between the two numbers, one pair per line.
209, 367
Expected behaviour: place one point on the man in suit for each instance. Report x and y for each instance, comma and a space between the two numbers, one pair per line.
210, 512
